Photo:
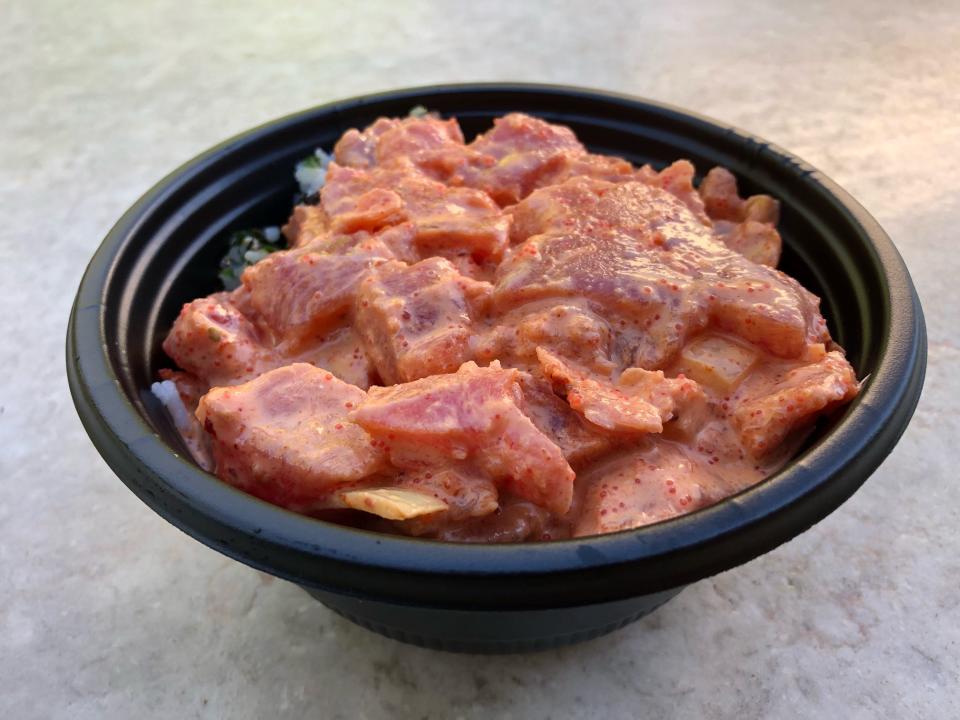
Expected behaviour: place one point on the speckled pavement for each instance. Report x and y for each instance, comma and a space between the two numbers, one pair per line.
106, 611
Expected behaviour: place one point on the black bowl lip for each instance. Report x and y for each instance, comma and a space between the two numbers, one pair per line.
675, 552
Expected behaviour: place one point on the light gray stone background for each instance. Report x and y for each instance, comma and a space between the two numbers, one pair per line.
106, 611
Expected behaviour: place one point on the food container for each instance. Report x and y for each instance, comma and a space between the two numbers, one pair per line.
485, 598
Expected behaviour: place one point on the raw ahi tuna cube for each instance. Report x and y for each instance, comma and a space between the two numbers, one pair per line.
416, 320
769, 406
653, 483
286, 438
471, 415
214, 341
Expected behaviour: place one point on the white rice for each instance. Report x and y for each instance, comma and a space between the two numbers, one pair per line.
187, 425
311, 177
166, 392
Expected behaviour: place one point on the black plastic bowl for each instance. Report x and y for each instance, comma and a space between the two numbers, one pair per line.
486, 598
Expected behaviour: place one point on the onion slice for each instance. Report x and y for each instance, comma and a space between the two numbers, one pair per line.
393, 503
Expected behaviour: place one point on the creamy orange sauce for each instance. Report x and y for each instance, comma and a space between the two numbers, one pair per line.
509, 340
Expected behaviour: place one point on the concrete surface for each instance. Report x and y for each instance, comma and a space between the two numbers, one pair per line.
106, 611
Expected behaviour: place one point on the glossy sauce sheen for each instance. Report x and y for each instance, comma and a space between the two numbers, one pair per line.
509, 340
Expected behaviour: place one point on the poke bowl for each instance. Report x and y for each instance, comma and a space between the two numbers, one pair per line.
483, 597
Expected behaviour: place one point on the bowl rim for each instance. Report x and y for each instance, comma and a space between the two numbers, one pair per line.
562, 572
